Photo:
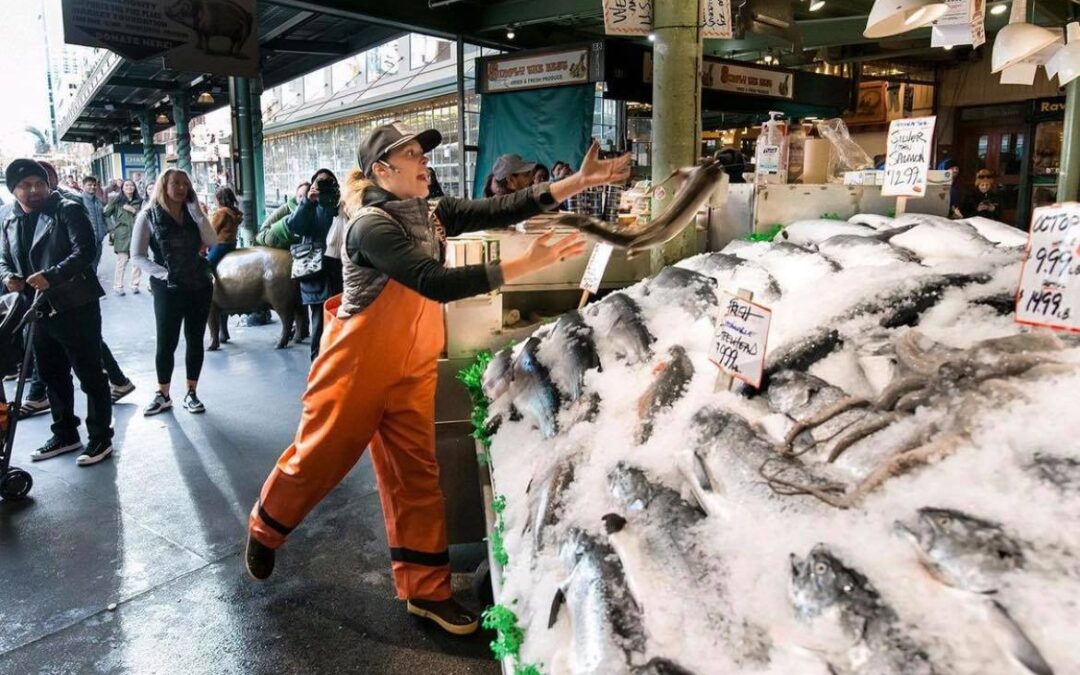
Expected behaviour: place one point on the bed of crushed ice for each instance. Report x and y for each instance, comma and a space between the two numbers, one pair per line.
752, 534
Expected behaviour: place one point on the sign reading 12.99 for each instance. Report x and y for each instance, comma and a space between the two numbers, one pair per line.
907, 157
1049, 293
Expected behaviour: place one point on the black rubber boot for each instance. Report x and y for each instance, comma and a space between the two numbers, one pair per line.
447, 614
258, 559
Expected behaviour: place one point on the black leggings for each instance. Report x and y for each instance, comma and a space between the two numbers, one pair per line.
173, 308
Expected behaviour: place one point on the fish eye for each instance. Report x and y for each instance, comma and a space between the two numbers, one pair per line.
820, 568
944, 521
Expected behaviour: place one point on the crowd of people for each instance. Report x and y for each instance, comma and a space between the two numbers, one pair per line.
371, 255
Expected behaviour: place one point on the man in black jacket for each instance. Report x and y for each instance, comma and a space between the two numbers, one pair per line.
47, 245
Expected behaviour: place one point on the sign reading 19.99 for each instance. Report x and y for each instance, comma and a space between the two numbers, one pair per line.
1049, 293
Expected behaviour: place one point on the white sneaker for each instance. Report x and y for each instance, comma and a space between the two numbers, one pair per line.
160, 404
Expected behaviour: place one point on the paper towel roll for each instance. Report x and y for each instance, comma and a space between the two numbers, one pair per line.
816, 160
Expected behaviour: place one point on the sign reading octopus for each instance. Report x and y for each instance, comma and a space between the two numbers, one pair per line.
1049, 293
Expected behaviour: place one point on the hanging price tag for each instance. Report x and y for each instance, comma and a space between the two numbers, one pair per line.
628, 17
1049, 293
716, 19
594, 271
742, 333
907, 157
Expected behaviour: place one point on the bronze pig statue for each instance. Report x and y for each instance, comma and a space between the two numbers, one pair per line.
210, 18
250, 279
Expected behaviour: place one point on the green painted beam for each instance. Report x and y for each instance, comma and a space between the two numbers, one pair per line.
526, 12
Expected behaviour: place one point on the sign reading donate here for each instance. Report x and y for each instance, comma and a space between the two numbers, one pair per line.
907, 157
1049, 293
742, 333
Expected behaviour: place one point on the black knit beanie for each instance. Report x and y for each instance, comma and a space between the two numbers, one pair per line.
23, 168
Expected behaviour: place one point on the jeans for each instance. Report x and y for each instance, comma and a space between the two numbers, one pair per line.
217, 252
174, 309
70, 341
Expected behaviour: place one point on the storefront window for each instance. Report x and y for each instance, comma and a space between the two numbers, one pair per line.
984, 146
315, 85
346, 73
383, 60
425, 50
294, 93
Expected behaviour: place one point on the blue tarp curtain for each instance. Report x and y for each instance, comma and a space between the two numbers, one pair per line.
542, 125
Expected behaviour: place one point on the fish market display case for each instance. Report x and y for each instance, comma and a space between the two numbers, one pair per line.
905, 423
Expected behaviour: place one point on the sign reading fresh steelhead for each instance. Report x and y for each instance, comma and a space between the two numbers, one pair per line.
907, 157
552, 69
202, 36
742, 333
1049, 293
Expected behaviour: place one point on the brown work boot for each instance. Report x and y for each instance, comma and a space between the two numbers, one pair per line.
448, 614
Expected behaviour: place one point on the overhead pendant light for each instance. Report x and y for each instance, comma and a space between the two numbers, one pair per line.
1066, 61
1019, 40
815, 5
162, 118
652, 37
205, 98
999, 9
893, 17
510, 34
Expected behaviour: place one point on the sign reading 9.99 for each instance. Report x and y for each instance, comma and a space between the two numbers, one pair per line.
1049, 293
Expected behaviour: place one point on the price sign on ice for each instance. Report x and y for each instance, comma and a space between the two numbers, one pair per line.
594, 271
1049, 293
907, 157
738, 348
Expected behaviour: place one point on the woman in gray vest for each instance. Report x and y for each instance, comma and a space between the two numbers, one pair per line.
174, 229
374, 381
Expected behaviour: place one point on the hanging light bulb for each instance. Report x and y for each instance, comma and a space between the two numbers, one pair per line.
205, 98
999, 9
1019, 40
815, 5
893, 17
652, 37
162, 118
510, 34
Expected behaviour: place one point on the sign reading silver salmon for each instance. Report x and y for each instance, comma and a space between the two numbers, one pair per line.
907, 157
203, 36
741, 338
1049, 293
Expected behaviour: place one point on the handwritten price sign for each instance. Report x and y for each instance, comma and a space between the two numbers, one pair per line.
1049, 293
742, 333
594, 271
907, 157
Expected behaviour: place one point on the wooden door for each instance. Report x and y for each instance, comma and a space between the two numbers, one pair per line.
1000, 149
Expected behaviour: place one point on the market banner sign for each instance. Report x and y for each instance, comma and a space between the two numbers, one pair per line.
727, 76
716, 19
203, 36
628, 17
907, 157
635, 17
963, 24
551, 69
1049, 293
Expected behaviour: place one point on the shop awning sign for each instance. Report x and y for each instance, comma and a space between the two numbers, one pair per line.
635, 17
202, 36
552, 69
727, 76
963, 24
1049, 292
907, 156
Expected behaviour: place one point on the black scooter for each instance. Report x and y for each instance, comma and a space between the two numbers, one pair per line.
15, 483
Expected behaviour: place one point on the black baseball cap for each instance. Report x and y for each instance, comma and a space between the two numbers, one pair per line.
389, 136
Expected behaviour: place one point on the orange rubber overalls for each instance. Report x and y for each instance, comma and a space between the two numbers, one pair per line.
373, 382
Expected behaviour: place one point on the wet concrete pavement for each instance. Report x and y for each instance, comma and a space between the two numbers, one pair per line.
158, 531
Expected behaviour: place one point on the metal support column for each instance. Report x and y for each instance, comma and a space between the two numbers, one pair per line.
1069, 174
462, 178
181, 115
676, 101
257, 149
146, 121
243, 178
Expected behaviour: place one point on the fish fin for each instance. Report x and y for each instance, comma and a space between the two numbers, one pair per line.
613, 523
1016, 642
556, 604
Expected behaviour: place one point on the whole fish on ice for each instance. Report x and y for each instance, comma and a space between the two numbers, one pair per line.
569, 352
547, 500
810, 233
694, 292
862, 251
533, 394
618, 319
821, 584
733, 274
672, 377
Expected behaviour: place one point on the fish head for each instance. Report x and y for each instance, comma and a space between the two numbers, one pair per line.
575, 543
818, 581
630, 487
954, 539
